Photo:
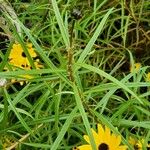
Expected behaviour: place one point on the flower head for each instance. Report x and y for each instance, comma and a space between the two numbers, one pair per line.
104, 140
137, 144
135, 68
148, 76
18, 59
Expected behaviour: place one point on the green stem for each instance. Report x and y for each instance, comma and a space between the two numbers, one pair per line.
3, 124
70, 54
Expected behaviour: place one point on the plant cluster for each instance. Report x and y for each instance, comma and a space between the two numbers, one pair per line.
74, 75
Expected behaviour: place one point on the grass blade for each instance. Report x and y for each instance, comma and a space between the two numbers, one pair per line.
64, 129
63, 30
94, 37
109, 77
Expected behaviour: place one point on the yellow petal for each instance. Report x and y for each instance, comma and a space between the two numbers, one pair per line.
29, 45
95, 136
122, 148
86, 137
135, 68
107, 134
100, 131
118, 140
113, 140
84, 147
132, 141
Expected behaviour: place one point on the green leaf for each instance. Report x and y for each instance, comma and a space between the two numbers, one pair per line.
94, 37
109, 77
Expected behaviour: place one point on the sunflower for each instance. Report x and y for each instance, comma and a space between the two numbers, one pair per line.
135, 68
104, 140
18, 59
138, 144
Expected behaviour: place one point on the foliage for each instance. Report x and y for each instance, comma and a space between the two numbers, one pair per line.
85, 77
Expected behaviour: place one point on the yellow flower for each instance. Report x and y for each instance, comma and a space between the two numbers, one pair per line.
148, 77
18, 58
104, 139
135, 68
31, 50
137, 144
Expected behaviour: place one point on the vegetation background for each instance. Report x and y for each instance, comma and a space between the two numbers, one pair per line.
87, 49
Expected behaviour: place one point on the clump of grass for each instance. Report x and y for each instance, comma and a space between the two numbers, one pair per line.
85, 79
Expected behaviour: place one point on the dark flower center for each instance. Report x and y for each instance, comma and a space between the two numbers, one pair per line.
75, 148
136, 147
23, 54
103, 146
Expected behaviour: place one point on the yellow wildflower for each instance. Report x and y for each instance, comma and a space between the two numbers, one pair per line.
148, 76
104, 139
18, 59
137, 144
135, 68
